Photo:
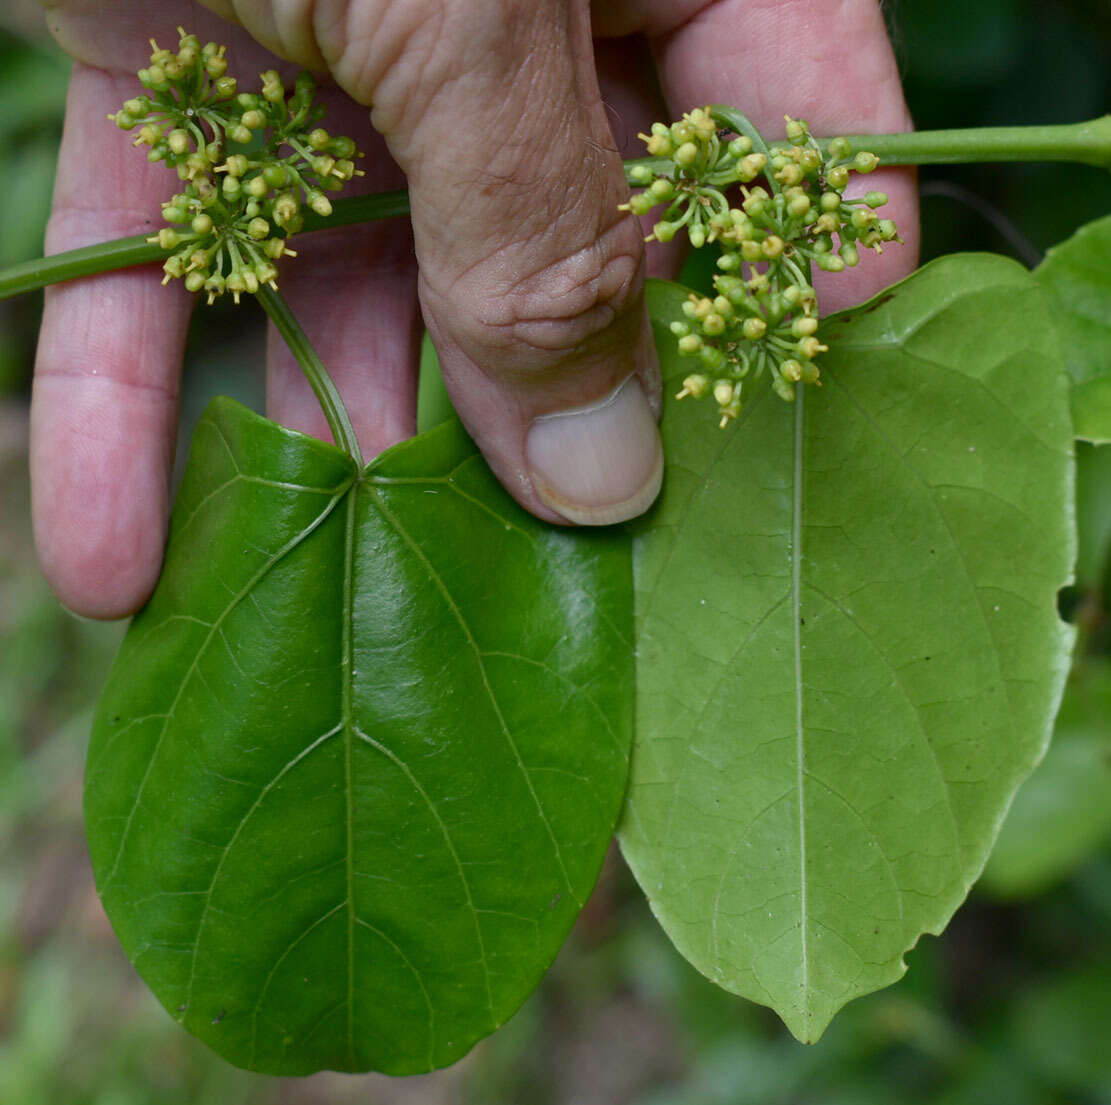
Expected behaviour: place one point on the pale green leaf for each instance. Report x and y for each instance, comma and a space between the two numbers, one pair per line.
359, 759
849, 653
1077, 281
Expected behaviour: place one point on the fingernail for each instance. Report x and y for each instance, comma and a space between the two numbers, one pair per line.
599, 464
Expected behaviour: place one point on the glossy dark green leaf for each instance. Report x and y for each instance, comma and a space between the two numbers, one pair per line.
848, 648
1062, 814
1077, 281
360, 757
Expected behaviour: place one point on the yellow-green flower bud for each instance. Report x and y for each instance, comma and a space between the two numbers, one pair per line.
797, 131
723, 392
875, 199
344, 148
754, 328
838, 177
694, 386
750, 167
231, 187
661, 189
830, 201
791, 370
683, 132
240, 134
865, 162
784, 389
686, 155
224, 88
319, 203
729, 262
258, 229
810, 347
253, 119
168, 238
257, 187
810, 161
266, 273
194, 281
799, 205
839, 149
804, 327
216, 66
319, 139
789, 175
236, 165
849, 254
639, 204
740, 146
697, 236
276, 176
272, 89
862, 218
689, 345
829, 262
713, 324
772, 246
202, 224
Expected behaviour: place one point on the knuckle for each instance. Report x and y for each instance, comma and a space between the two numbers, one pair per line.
540, 312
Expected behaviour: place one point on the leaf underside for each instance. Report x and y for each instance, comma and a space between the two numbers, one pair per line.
360, 757
1074, 276
849, 653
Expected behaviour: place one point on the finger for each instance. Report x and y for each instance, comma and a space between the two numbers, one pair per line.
354, 291
531, 280
104, 405
826, 61
633, 101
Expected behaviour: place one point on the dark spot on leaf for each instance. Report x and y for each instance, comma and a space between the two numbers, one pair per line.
219, 1016
181, 1008
552, 904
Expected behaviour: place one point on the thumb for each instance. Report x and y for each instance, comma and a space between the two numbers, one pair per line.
532, 282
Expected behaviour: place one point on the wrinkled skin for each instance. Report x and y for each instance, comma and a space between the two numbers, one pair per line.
508, 119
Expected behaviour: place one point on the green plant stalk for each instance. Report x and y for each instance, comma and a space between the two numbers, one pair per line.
123, 253
1088, 143
317, 375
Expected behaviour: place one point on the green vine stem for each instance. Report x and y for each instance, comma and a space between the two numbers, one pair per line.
1088, 143
122, 253
317, 375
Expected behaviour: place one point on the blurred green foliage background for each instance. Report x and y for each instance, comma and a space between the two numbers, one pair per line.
1012, 1005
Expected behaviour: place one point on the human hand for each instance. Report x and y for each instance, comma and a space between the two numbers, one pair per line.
528, 277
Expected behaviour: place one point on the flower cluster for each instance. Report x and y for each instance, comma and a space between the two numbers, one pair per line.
249, 162
764, 315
